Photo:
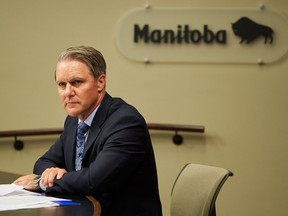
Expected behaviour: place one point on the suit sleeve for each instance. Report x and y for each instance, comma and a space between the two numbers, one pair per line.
56, 156
52, 158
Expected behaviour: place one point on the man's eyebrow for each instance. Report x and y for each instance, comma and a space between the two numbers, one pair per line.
59, 80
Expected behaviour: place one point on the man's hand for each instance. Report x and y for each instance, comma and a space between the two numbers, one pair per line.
50, 174
26, 181
47, 178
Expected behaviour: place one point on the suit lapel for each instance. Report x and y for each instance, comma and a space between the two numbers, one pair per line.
71, 142
93, 133
97, 122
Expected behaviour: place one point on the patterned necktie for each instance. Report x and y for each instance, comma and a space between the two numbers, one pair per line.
81, 130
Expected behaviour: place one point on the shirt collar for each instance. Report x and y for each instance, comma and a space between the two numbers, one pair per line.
90, 118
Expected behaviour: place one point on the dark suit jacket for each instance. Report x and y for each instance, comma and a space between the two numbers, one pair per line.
119, 167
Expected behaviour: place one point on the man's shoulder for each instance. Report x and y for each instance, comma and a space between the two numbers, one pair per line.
120, 105
71, 120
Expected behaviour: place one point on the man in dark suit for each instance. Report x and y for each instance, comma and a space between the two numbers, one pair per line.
116, 165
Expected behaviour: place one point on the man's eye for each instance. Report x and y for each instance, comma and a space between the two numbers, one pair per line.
77, 82
61, 85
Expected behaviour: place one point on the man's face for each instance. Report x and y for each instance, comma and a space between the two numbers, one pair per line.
78, 90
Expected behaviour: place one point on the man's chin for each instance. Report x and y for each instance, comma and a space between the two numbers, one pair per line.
72, 112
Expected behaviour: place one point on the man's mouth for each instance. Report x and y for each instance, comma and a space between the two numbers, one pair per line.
70, 103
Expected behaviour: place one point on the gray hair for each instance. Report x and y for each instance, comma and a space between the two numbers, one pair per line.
88, 55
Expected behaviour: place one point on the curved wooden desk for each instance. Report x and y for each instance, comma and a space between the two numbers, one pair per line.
89, 206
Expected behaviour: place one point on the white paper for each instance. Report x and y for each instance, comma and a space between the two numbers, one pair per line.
14, 197
9, 188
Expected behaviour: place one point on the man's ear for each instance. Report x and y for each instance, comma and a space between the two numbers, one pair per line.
101, 81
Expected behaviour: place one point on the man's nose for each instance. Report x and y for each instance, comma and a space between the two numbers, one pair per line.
69, 90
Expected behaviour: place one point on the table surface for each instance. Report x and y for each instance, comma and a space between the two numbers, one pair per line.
88, 205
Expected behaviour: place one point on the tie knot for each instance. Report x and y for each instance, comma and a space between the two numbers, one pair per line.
82, 128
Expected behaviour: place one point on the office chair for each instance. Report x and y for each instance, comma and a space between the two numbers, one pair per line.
195, 190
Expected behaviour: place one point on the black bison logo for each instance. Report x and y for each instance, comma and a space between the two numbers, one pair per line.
249, 30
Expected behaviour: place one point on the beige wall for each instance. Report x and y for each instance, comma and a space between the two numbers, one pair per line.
243, 107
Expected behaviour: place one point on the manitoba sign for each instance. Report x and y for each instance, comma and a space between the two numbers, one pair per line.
202, 35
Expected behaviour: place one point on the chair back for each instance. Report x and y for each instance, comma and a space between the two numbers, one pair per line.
196, 188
